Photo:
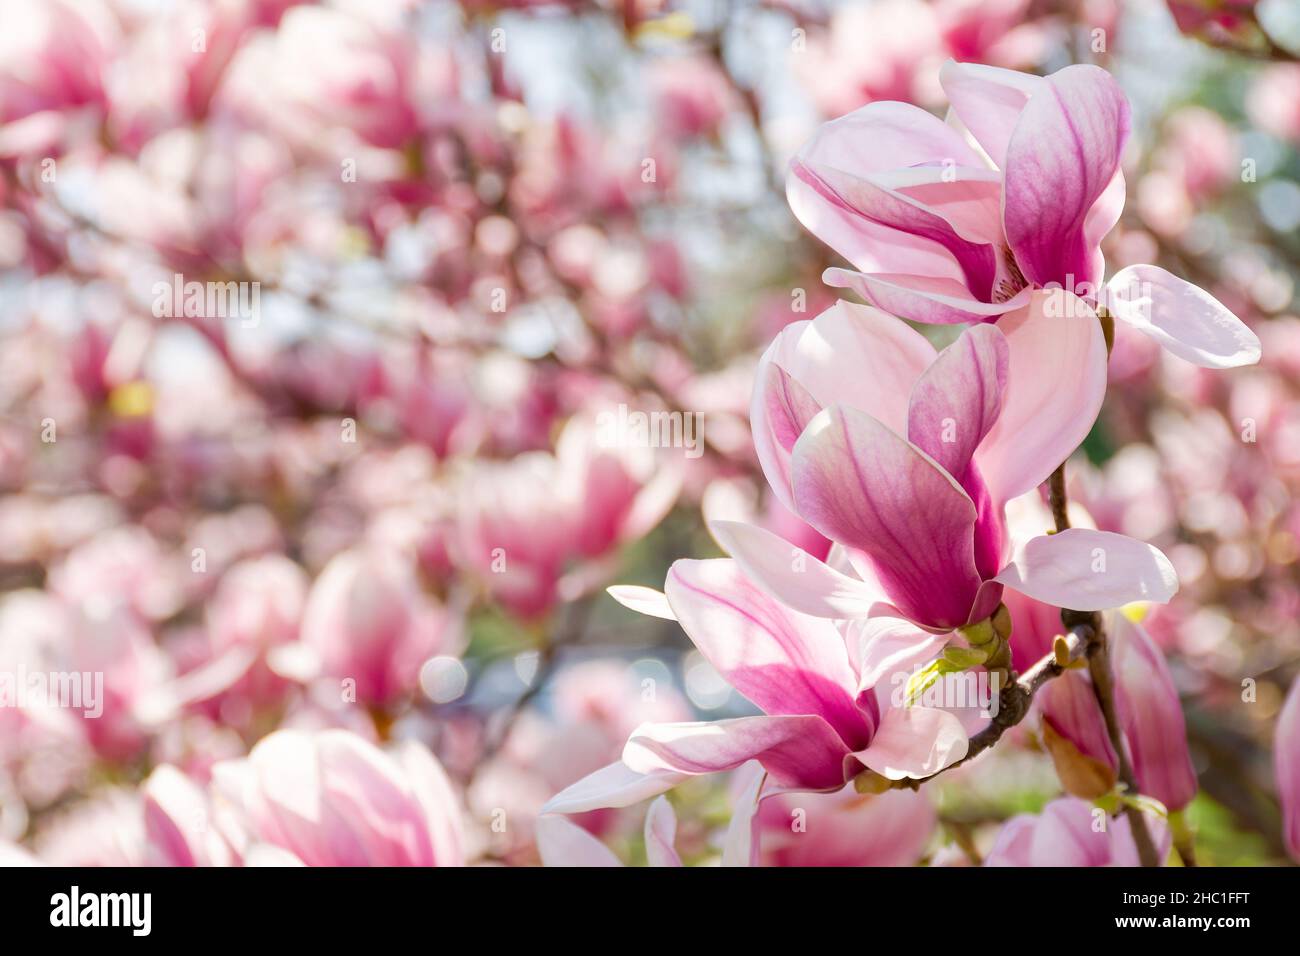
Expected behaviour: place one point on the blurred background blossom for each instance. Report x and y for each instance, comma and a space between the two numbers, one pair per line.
340, 532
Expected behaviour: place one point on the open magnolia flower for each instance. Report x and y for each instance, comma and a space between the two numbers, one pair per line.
830, 711
906, 458
943, 227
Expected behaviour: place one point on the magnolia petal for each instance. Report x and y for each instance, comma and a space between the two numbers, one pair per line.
958, 399
561, 842
1062, 155
934, 301
790, 406
870, 199
1151, 715
615, 785
797, 751
660, 834
873, 139
643, 600
1182, 317
1056, 382
740, 845
783, 661
862, 485
884, 646
1089, 570
915, 742
794, 577
988, 100
850, 353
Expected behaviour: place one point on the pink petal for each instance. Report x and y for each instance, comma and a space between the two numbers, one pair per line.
1090, 570
790, 407
959, 397
797, 751
883, 646
1151, 716
860, 484
1286, 767
869, 200
850, 353
1184, 318
988, 100
933, 300
1070, 707
783, 661
660, 834
615, 785
1055, 386
643, 600
438, 798
740, 846
914, 742
1062, 155
794, 577
875, 138
561, 842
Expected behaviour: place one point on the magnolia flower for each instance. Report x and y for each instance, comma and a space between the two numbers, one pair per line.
944, 228
523, 523
367, 620
1286, 764
1072, 832
906, 458
1150, 715
332, 799
829, 710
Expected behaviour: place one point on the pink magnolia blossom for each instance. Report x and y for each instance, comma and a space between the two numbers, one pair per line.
53, 56
828, 710
331, 799
943, 228
329, 69
1286, 767
523, 524
906, 459
1071, 832
1150, 715
1274, 101
367, 621
253, 623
